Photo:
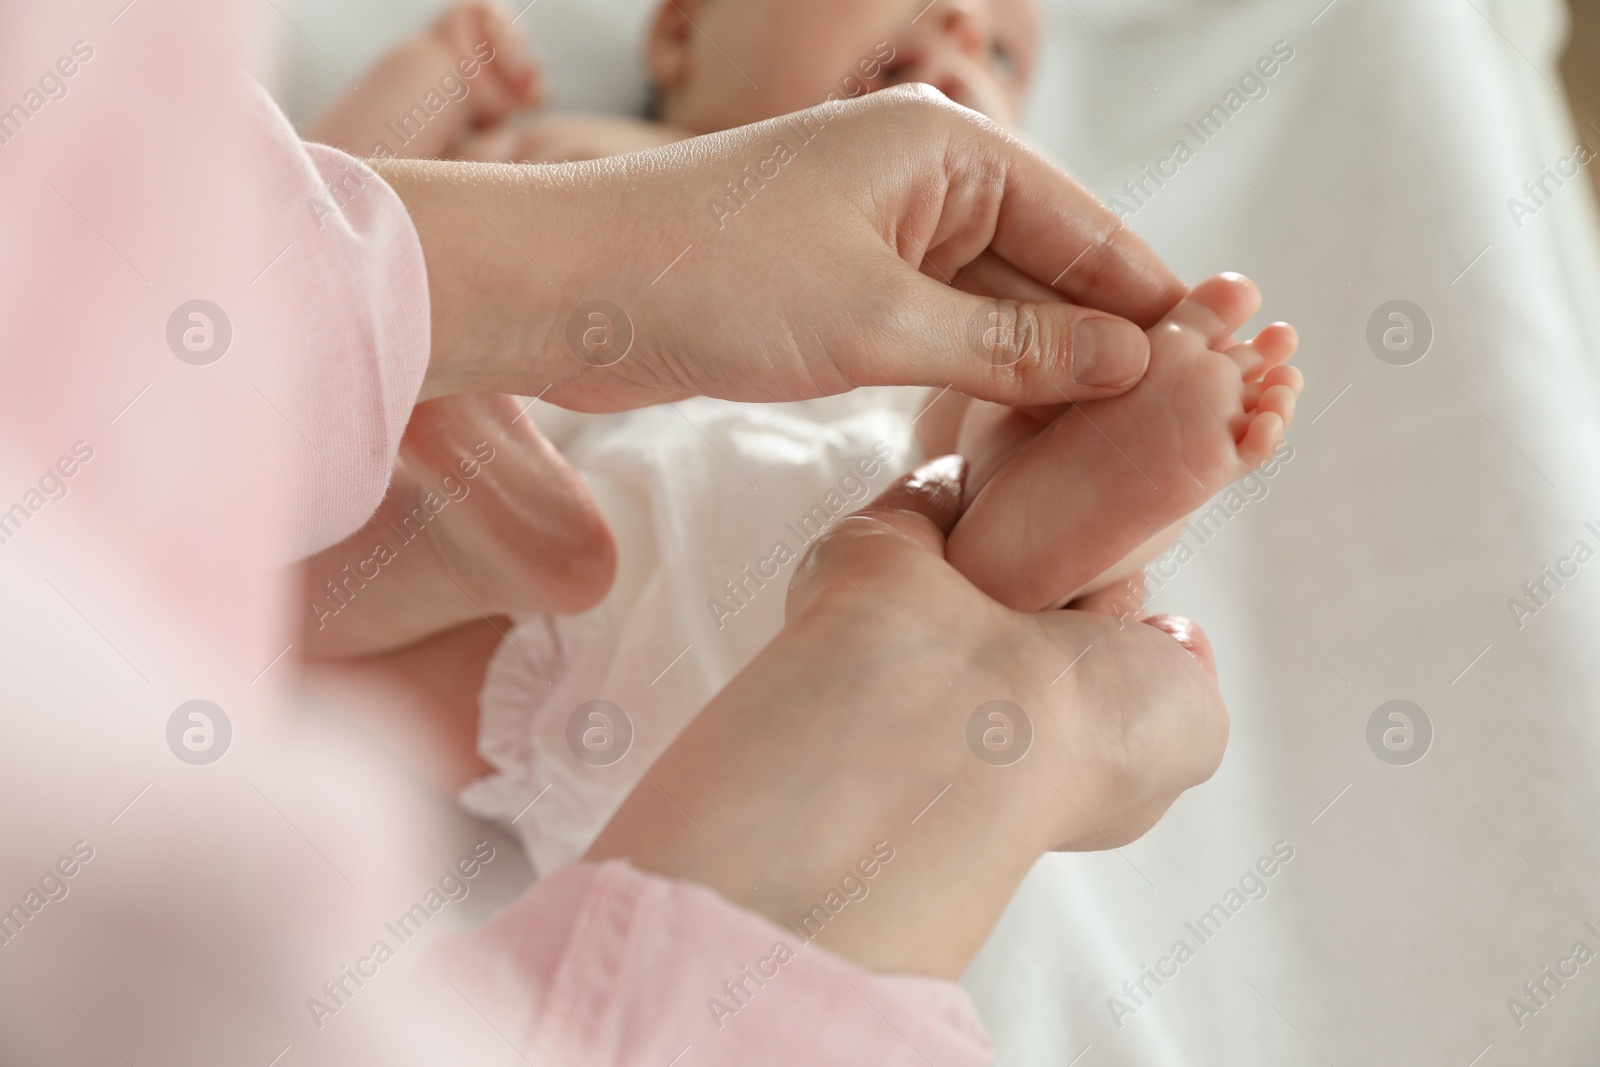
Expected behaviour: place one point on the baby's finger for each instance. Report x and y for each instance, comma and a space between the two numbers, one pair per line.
519, 73
505, 76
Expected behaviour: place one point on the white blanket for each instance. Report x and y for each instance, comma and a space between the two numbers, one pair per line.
1378, 167
1419, 899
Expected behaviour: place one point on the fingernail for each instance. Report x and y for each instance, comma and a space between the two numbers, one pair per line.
942, 477
949, 470
1108, 353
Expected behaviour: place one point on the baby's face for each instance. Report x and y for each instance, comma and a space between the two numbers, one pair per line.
725, 63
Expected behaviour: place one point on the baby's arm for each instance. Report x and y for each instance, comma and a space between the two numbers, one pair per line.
469, 70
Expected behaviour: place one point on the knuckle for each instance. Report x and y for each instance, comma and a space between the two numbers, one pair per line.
1007, 334
1042, 354
914, 95
915, 104
840, 550
1099, 259
855, 555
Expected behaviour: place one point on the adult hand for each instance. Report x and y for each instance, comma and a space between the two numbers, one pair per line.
852, 727
789, 259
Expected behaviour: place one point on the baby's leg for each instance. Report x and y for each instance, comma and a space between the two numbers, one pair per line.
483, 517
421, 700
1055, 506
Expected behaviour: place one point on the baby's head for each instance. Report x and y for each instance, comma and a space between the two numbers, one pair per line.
717, 64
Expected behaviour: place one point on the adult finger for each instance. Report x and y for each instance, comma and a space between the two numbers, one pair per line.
931, 494
991, 276
1017, 352
906, 524
1120, 599
1054, 230
1008, 215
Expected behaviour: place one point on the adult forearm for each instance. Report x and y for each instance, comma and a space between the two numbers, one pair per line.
497, 272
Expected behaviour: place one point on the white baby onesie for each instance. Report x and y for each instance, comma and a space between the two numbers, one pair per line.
712, 504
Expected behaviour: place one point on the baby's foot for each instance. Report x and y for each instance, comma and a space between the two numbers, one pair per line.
483, 518
1053, 507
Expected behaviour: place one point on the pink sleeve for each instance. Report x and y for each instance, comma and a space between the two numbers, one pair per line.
353, 292
609, 967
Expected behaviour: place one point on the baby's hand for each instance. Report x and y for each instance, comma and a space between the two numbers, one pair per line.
1059, 500
508, 79
470, 70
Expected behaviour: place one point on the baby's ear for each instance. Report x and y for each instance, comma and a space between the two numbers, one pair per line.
670, 46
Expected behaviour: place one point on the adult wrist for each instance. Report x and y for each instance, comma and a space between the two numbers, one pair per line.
505, 258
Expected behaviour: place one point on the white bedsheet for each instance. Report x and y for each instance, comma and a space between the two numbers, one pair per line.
1378, 167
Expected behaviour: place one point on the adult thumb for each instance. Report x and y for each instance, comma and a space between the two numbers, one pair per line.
1011, 349
906, 525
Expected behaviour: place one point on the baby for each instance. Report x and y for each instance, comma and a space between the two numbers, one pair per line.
698, 54
1063, 502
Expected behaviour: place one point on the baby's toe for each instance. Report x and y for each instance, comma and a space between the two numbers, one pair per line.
1262, 437
1279, 400
1272, 347
1275, 345
1215, 308
1285, 375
